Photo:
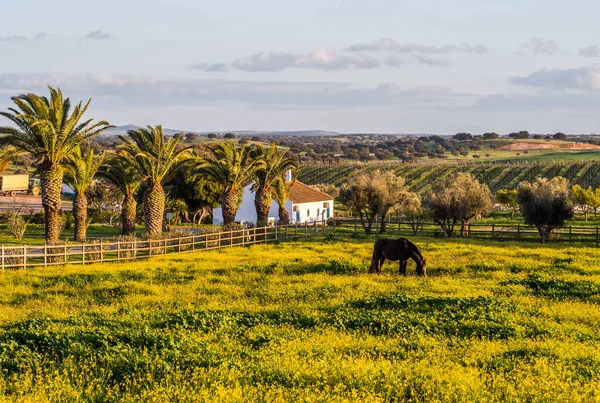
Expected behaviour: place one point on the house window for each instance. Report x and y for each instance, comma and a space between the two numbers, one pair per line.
295, 208
318, 213
326, 205
308, 213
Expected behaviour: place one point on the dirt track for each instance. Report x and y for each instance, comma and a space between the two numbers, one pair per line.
26, 204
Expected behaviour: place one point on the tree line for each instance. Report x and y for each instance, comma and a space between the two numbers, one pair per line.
454, 202
56, 136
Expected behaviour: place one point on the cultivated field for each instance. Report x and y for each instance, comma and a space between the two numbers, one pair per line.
419, 177
302, 321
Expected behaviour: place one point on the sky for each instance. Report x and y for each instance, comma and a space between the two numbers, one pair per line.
377, 66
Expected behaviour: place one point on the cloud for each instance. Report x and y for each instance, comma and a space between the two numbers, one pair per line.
211, 67
13, 38
431, 61
117, 89
394, 61
541, 47
325, 59
590, 51
389, 45
584, 78
19, 38
98, 34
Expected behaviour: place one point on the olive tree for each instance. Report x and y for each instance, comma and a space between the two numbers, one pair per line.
373, 194
583, 199
508, 200
545, 204
413, 210
458, 200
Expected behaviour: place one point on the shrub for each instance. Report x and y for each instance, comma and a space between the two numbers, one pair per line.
55, 253
93, 251
16, 225
126, 248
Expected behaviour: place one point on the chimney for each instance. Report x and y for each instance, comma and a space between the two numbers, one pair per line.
288, 175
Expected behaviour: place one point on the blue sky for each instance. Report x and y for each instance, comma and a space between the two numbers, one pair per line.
351, 66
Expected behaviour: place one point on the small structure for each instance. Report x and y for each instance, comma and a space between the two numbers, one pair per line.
304, 205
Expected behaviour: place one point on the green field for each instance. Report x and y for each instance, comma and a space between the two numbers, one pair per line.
302, 321
419, 177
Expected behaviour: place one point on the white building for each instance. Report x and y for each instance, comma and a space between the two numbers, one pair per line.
305, 205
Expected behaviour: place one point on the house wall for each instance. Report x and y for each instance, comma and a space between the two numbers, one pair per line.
246, 211
308, 212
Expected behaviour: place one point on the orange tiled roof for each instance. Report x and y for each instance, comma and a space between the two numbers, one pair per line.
301, 193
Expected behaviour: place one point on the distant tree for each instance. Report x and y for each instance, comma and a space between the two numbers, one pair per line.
545, 204
508, 199
328, 188
490, 136
559, 136
463, 136
538, 136
256, 138
413, 210
458, 200
211, 136
583, 199
229, 136
523, 134
393, 193
191, 136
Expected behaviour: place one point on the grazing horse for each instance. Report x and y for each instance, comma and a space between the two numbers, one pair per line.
397, 249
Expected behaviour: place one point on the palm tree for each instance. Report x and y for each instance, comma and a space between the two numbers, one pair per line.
50, 131
79, 174
232, 167
269, 179
281, 194
124, 175
7, 153
155, 158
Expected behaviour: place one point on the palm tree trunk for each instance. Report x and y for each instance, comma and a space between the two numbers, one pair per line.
154, 209
284, 215
80, 215
128, 214
51, 179
262, 203
229, 205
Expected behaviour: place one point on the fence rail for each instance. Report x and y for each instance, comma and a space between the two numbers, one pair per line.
23, 256
497, 232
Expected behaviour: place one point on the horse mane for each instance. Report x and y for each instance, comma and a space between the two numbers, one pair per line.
414, 247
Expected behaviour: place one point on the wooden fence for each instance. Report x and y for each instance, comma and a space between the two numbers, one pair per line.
496, 232
23, 256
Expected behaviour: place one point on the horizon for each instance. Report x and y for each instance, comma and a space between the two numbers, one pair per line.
365, 67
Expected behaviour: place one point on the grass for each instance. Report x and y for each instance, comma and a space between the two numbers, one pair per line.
302, 321
34, 235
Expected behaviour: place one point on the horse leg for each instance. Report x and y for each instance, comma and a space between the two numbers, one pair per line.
381, 262
403, 263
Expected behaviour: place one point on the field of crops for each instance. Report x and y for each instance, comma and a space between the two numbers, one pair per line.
497, 176
302, 321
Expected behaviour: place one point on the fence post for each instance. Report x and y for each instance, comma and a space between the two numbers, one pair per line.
219, 244
101, 251
24, 257
82, 254
355, 226
493, 230
570, 231
518, 232
334, 226
305, 230
276, 232
65, 253
2, 257
45, 256
596, 239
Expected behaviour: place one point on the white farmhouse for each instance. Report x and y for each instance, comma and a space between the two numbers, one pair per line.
305, 205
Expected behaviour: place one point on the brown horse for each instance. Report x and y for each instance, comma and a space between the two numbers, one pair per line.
397, 249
